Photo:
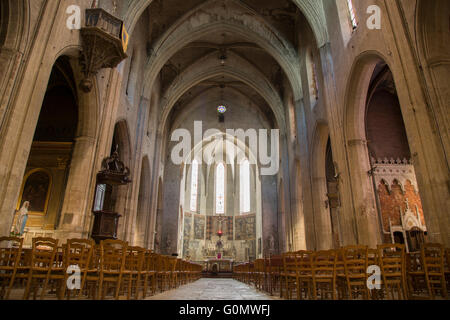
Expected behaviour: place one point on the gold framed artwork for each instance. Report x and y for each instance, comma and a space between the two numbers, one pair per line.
36, 187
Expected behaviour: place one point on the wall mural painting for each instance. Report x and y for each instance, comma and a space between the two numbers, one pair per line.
230, 228
186, 249
199, 227
246, 227
187, 226
36, 191
214, 224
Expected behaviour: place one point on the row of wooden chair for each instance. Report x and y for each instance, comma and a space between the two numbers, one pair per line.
351, 273
89, 270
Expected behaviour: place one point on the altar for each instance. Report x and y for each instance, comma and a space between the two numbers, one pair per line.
219, 265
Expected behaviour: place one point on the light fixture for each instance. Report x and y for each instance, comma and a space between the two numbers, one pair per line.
223, 60
223, 57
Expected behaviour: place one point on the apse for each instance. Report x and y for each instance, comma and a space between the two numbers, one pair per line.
220, 203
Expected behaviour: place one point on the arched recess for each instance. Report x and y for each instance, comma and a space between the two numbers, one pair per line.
362, 225
433, 32
198, 230
367, 74
18, 129
391, 159
14, 23
430, 167
121, 142
141, 234
321, 203
52, 148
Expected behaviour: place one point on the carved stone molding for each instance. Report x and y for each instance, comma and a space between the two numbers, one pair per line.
386, 171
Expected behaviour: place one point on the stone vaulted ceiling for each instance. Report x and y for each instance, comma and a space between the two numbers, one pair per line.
254, 41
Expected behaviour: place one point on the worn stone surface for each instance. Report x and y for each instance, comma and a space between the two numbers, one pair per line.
214, 289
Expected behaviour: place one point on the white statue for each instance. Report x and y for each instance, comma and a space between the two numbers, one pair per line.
271, 242
22, 218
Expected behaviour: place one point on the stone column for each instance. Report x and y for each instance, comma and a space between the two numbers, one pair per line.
427, 149
20, 113
322, 227
305, 215
10, 65
348, 219
76, 200
367, 225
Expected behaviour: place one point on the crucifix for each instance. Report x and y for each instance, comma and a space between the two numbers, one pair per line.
219, 244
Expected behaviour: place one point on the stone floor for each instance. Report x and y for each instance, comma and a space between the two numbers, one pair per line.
214, 289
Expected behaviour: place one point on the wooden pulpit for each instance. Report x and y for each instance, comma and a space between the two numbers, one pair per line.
113, 175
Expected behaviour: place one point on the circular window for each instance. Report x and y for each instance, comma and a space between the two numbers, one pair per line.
221, 109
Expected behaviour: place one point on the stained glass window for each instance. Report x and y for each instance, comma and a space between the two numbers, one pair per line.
220, 189
351, 9
221, 109
244, 178
194, 186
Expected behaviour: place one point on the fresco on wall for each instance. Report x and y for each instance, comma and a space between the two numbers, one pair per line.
186, 248
213, 226
187, 226
246, 227
199, 227
230, 228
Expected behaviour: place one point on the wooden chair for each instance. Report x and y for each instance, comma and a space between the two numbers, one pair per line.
171, 265
305, 274
433, 262
42, 265
259, 274
289, 274
10, 254
248, 273
149, 273
415, 275
341, 280
93, 274
274, 265
447, 269
134, 270
179, 273
163, 272
373, 259
78, 253
183, 272
392, 264
324, 274
355, 265
112, 266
